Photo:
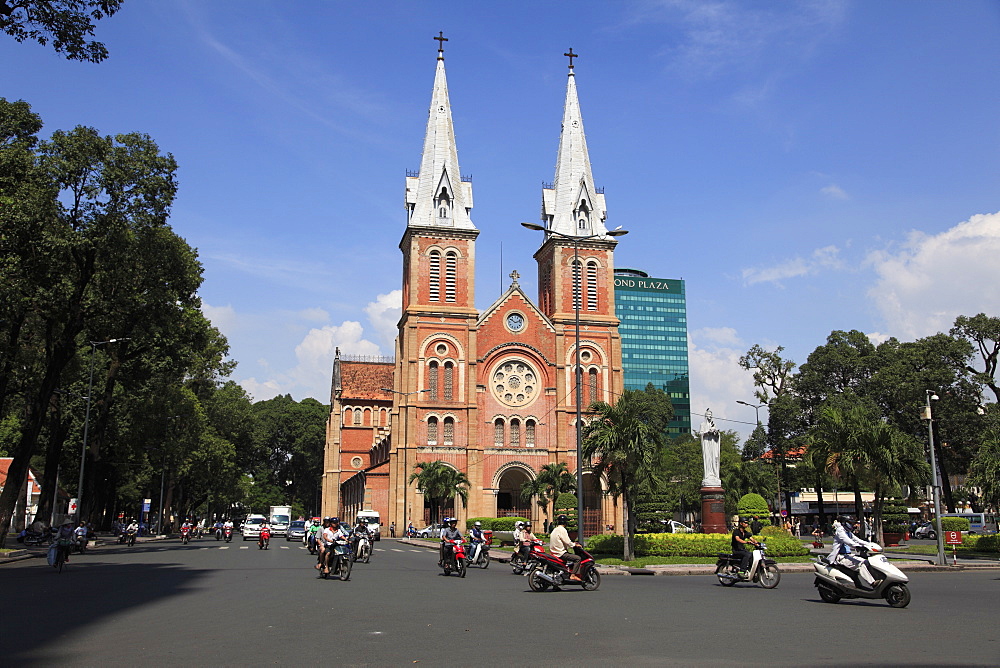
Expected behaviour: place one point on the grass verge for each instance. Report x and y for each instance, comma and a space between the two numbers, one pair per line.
642, 562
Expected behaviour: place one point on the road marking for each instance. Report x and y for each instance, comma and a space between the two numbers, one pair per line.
397, 550
224, 547
244, 547
416, 550
284, 547
202, 548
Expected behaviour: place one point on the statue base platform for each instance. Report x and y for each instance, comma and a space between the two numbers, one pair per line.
713, 510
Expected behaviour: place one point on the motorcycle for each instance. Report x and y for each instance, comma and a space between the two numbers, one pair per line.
454, 559
338, 560
228, 531
264, 539
185, 535
130, 538
762, 571
311, 543
218, 533
519, 563
837, 581
362, 550
549, 571
35, 538
480, 555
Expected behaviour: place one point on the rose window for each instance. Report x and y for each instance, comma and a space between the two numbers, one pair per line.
515, 383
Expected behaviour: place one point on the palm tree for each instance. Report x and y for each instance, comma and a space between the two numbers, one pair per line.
627, 439
551, 481
440, 483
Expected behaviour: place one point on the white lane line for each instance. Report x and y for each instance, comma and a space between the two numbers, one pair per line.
284, 547
418, 550
245, 548
202, 548
224, 547
397, 550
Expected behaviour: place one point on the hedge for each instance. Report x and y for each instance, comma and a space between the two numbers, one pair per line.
690, 545
753, 505
496, 523
894, 516
954, 524
987, 543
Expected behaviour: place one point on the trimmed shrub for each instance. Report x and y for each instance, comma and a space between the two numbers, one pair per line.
649, 510
894, 516
690, 545
770, 532
954, 524
753, 505
566, 505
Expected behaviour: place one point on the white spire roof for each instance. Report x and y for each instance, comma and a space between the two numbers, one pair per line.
572, 205
437, 196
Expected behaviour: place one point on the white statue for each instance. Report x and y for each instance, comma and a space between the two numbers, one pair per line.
711, 449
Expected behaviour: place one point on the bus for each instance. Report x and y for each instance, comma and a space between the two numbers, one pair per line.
978, 522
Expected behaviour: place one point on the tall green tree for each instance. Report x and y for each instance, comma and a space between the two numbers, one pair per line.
440, 483
626, 439
66, 23
983, 333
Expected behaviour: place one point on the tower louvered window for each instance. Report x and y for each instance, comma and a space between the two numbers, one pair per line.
449, 431
515, 433
576, 285
449, 381
451, 266
435, 276
529, 433
591, 286
498, 433
432, 431
432, 381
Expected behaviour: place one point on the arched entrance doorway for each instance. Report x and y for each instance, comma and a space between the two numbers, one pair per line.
509, 501
592, 496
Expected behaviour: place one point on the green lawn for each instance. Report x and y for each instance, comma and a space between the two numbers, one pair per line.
962, 552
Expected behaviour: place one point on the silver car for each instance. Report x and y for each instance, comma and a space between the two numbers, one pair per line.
296, 531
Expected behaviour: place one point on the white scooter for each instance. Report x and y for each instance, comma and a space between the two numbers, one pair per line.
363, 550
838, 580
479, 554
762, 571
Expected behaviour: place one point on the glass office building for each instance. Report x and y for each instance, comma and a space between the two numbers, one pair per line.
653, 314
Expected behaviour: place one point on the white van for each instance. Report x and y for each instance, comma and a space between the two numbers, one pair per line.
371, 518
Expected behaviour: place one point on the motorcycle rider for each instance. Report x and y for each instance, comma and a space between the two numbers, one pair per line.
518, 528
742, 536
450, 532
476, 539
265, 533
361, 530
843, 540
312, 533
331, 534
562, 547
526, 539
133, 527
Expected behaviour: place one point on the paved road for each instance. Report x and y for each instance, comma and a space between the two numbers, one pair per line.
162, 603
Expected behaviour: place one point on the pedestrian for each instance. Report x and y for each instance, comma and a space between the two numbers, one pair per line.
392, 529
755, 526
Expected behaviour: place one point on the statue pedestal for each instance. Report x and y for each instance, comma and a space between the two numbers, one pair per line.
713, 510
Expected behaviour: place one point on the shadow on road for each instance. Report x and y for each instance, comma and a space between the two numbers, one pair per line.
40, 605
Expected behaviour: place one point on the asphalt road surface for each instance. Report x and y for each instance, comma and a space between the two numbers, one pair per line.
163, 603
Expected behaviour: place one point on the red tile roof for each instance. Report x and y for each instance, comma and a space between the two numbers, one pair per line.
365, 380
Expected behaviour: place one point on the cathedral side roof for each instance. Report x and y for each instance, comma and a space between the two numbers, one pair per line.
365, 380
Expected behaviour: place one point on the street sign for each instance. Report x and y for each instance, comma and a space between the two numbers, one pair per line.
953, 537
784, 513
72, 507
145, 506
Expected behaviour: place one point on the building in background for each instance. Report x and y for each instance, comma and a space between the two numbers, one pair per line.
653, 315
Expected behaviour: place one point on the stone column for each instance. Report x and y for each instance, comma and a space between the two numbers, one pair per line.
713, 510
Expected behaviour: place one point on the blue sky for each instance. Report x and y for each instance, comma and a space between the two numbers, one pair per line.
804, 166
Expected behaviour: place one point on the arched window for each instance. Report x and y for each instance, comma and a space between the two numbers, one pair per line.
591, 286
529, 433
357, 416
432, 431
444, 207
435, 276
591, 386
449, 381
515, 433
576, 285
451, 267
432, 380
498, 433
449, 431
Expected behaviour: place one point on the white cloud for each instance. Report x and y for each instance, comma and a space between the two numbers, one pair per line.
833, 191
384, 314
931, 279
827, 257
223, 317
718, 381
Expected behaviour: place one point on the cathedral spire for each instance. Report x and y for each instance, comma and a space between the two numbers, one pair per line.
572, 205
438, 196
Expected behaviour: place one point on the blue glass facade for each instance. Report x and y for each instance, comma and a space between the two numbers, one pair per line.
653, 314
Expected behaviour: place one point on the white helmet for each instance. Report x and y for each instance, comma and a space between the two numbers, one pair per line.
519, 525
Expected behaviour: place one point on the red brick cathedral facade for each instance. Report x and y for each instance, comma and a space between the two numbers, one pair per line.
490, 393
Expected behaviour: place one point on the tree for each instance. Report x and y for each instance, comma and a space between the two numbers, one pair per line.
626, 438
440, 483
985, 469
67, 23
552, 480
984, 334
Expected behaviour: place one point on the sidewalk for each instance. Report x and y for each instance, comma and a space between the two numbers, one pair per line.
23, 553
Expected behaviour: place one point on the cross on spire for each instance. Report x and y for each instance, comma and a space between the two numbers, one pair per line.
514, 276
441, 39
571, 56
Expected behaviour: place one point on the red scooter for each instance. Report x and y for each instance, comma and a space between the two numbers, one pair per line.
549, 571
521, 560
265, 539
185, 535
228, 531
454, 559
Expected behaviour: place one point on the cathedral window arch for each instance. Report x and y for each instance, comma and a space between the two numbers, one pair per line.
592, 285
356, 418
576, 284
592, 386
444, 206
432, 431
449, 381
529, 433
432, 380
449, 431
450, 275
435, 276
583, 217
498, 433
515, 433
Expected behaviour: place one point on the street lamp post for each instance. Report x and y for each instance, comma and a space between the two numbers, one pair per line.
578, 371
935, 478
406, 449
86, 424
756, 407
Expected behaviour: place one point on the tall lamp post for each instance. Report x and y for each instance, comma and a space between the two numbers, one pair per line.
86, 424
935, 478
578, 371
406, 448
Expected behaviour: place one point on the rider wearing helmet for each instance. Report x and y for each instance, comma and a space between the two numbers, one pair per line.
561, 546
843, 540
743, 536
476, 539
518, 528
450, 532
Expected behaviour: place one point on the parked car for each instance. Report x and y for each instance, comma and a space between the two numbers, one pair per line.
673, 526
925, 530
296, 530
432, 531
